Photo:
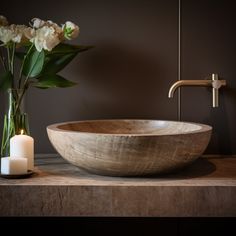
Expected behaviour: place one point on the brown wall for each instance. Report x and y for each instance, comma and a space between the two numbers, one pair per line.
134, 62
209, 46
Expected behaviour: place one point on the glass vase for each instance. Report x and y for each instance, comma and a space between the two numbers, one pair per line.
15, 119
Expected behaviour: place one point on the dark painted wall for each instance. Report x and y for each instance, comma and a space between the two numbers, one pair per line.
129, 72
209, 46
126, 75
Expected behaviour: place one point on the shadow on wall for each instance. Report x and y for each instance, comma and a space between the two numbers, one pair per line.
122, 82
221, 140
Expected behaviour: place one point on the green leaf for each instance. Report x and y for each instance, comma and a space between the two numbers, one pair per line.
6, 80
34, 63
64, 48
56, 62
60, 57
53, 81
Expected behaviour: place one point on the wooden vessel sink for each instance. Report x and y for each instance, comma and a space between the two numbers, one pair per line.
129, 147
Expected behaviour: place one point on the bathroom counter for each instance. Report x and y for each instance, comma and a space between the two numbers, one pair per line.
206, 188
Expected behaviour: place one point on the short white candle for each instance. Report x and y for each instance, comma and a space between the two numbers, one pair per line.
23, 146
13, 165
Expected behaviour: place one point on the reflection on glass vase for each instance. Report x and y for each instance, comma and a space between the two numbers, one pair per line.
15, 119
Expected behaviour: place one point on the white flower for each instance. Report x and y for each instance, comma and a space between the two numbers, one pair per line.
37, 23
18, 34
43, 34
56, 27
70, 30
29, 33
23, 34
45, 38
3, 21
6, 34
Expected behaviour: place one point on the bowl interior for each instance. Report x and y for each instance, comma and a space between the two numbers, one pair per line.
139, 127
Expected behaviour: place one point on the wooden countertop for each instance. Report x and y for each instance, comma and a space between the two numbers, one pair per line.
206, 188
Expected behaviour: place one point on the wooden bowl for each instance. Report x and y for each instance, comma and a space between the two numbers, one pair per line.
129, 147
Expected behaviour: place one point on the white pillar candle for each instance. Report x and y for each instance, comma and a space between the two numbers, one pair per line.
13, 165
23, 146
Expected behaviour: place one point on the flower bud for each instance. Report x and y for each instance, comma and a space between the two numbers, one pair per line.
71, 30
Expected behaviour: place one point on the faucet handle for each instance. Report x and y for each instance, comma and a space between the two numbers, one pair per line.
216, 85
216, 82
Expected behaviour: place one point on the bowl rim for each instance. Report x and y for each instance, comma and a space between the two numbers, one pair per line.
54, 127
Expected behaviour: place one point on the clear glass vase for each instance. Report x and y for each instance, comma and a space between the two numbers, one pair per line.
15, 119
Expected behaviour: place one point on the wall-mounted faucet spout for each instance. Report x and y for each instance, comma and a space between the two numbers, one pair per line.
215, 83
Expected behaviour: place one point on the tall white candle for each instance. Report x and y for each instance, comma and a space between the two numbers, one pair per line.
23, 146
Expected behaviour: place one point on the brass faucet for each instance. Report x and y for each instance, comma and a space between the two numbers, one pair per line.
214, 82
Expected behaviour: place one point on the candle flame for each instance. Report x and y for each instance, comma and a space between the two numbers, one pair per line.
21, 131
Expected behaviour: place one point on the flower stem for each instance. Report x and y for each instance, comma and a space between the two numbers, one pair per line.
12, 63
9, 58
22, 65
12, 58
2, 60
19, 100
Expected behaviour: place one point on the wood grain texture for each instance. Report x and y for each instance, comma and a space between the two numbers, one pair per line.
205, 188
129, 147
